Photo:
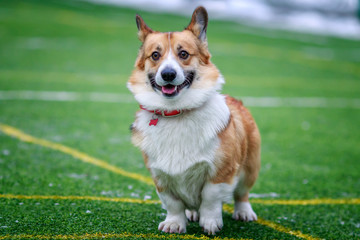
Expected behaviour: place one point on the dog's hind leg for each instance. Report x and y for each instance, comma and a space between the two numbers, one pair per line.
243, 210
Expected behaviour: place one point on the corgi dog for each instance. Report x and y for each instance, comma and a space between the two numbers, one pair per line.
202, 148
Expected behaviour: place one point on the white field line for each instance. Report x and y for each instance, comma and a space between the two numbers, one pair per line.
266, 102
67, 96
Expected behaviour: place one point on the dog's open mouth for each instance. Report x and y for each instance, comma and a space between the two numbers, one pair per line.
170, 90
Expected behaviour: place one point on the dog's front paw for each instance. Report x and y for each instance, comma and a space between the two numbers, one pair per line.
244, 212
211, 225
192, 215
173, 225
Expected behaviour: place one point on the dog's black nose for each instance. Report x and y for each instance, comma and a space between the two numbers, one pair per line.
168, 74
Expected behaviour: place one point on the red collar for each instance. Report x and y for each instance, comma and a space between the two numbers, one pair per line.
164, 113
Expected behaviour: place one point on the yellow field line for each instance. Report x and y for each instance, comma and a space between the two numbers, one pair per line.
86, 158
11, 131
319, 201
277, 227
90, 198
226, 208
283, 229
349, 201
114, 235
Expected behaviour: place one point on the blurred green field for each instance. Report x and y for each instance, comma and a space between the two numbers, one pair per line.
75, 46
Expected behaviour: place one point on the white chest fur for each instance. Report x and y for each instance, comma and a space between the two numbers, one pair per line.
176, 144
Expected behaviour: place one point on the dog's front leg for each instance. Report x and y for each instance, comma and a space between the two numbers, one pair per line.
211, 208
175, 221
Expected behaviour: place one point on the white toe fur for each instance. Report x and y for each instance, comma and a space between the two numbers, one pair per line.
192, 215
175, 224
244, 212
211, 225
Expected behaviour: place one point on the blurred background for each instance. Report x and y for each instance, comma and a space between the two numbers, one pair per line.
331, 17
64, 65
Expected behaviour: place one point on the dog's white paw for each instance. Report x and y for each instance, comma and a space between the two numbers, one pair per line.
192, 215
244, 212
173, 225
211, 225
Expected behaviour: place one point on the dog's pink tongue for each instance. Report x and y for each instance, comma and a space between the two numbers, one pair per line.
168, 89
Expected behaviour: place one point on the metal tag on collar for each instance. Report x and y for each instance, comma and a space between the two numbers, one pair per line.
154, 120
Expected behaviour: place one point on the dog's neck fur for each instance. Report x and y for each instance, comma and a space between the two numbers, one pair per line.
176, 144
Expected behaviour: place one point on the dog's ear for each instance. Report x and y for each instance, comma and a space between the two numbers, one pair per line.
143, 29
198, 24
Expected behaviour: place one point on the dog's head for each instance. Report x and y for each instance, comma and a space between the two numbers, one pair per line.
173, 69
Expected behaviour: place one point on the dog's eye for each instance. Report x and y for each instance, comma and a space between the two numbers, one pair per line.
183, 54
155, 56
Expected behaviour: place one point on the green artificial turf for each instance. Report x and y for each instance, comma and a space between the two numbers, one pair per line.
76, 46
